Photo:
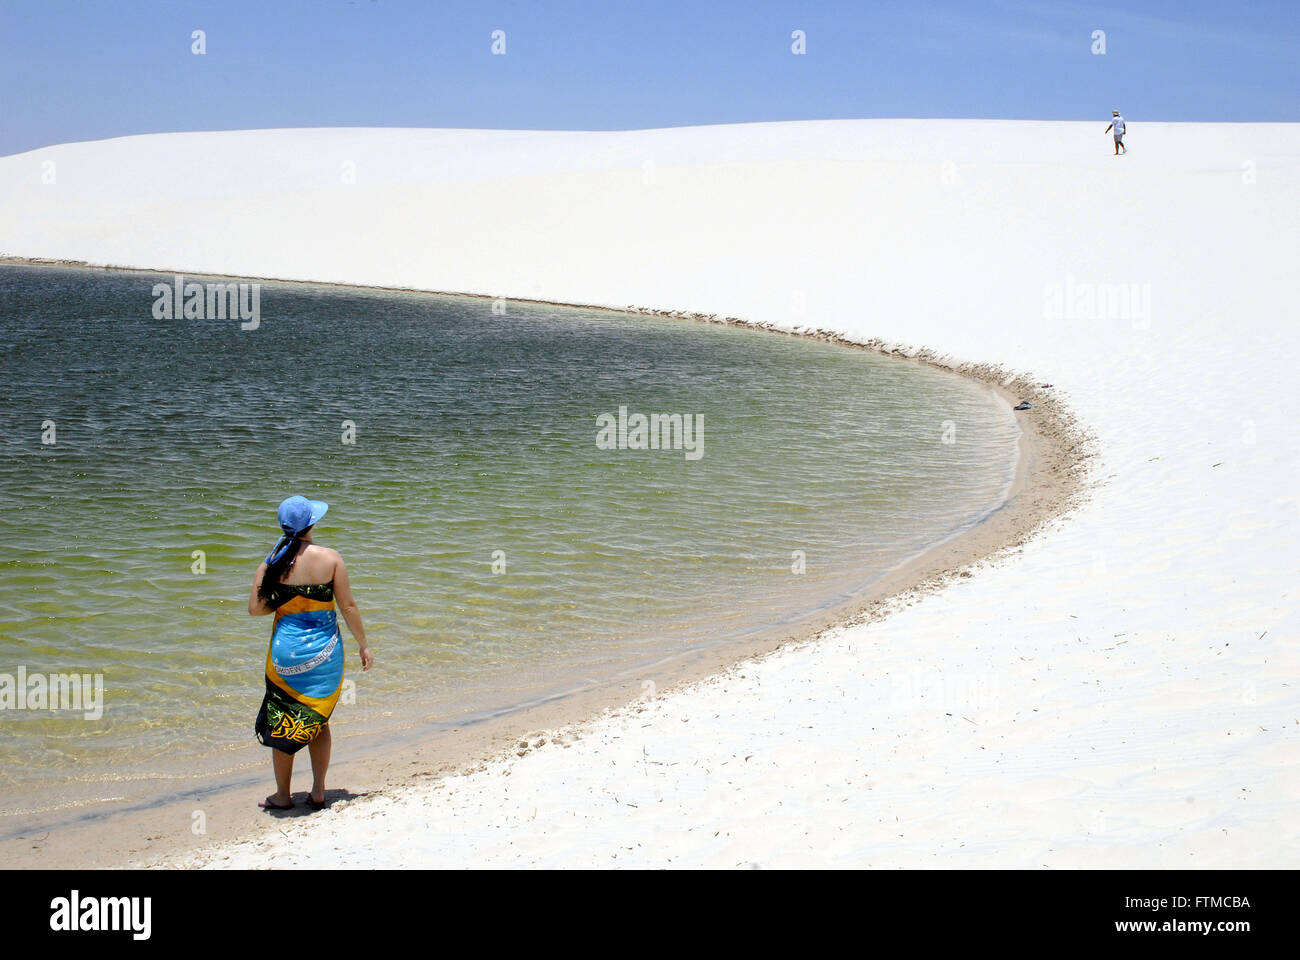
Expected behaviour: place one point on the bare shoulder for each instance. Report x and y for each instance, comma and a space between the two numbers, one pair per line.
320, 562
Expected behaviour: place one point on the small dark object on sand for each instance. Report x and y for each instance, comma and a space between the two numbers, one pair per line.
1023, 405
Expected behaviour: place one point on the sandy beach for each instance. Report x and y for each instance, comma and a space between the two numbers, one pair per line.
1098, 676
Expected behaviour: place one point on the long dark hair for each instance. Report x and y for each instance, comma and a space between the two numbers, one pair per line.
279, 568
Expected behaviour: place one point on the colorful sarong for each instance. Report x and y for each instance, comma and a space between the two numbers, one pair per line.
304, 667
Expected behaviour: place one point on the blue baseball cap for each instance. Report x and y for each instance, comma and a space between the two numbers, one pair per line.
299, 513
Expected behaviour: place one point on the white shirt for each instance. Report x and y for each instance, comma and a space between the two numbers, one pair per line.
1119, 125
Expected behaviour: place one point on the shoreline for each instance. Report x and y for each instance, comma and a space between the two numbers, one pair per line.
1050, 480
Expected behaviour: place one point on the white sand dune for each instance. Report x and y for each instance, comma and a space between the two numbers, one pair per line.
1123, 693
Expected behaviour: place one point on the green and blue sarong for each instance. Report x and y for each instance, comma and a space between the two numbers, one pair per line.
304, 666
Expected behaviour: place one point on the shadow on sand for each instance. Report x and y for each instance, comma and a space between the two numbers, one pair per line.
302, 808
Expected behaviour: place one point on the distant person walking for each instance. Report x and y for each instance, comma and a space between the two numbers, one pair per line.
1117, 123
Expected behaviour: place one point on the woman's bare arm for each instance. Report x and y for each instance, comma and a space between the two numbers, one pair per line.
348, 607
257, 607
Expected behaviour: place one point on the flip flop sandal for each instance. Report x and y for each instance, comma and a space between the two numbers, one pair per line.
267, 805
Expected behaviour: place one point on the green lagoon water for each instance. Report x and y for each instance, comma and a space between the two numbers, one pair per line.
475, 433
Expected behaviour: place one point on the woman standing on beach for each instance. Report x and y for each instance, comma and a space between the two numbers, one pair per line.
299, 582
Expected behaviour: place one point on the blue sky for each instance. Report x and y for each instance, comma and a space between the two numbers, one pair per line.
88, 70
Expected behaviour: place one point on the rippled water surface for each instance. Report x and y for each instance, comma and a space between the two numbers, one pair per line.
474, 433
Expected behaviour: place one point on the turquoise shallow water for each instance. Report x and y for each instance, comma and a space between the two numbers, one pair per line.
475, 438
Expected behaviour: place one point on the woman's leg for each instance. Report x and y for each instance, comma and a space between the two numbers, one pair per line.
320, 762
282, 764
